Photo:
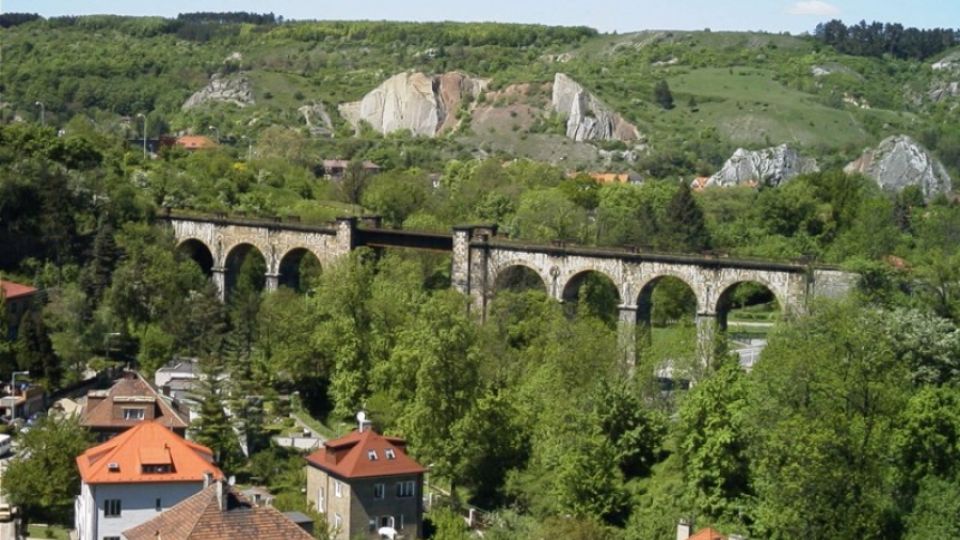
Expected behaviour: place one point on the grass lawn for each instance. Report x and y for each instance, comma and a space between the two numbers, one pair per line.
54, 532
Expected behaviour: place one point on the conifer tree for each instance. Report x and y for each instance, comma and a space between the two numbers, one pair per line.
662, 94
684, 222
213, 429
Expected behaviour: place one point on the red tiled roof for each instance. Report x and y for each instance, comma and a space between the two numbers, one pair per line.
350, 456
200, 517
707, 534
195, 142
16, 290
131, 387
609, 178
121, 459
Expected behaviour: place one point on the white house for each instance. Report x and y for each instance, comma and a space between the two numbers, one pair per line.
135, 476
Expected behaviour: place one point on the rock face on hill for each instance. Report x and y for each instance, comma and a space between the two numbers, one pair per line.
898, 162
769, 167
588, 119
942, 90
234, 89
425, 105
317, 119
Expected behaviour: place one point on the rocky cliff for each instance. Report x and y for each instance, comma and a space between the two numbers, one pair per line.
317, 119
769, 167
588, 119
425, 105
234, 89
898, 162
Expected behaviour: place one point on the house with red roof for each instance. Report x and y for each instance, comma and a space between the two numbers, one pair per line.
135, 476
17, 298
196, 142
130, 401
218, 512
367, 486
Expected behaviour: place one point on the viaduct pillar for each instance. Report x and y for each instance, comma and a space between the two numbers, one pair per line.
707, 327
627, 336
272, 282
470, 271
219, 277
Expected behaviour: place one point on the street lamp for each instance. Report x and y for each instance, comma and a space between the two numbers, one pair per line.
43, 111
217, 131
141, 115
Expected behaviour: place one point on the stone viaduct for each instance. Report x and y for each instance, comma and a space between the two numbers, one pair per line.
482, 263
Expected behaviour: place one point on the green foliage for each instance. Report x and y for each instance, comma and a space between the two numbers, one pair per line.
712, 440
823, 405
44, 480
662, 94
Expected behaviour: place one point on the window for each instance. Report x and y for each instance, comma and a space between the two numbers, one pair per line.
321, 503
378, 491
372, 455
111, 508
133, 414
390, 453
337, 521
159, 505
386, 521
156, 469
337, 488
405, 489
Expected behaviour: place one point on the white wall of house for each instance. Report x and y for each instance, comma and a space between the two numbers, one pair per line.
138, 503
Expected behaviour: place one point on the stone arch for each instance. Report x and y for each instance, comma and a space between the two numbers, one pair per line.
519, 276
606, 293
726, 300
199, 252
293, 264
234, 259
645, 300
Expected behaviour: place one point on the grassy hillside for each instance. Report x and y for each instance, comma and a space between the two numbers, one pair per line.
731, 89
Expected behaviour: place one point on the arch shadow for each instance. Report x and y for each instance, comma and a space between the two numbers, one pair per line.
199, 252
299, 269
665, 300
594, 291
245, 266
517, 278
756, 302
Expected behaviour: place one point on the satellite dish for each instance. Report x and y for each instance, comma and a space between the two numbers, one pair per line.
361, 417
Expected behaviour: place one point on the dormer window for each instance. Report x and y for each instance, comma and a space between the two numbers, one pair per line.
156, 469
390, 453
133, 414
372, 455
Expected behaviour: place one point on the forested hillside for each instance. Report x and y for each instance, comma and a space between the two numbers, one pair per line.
846, 426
